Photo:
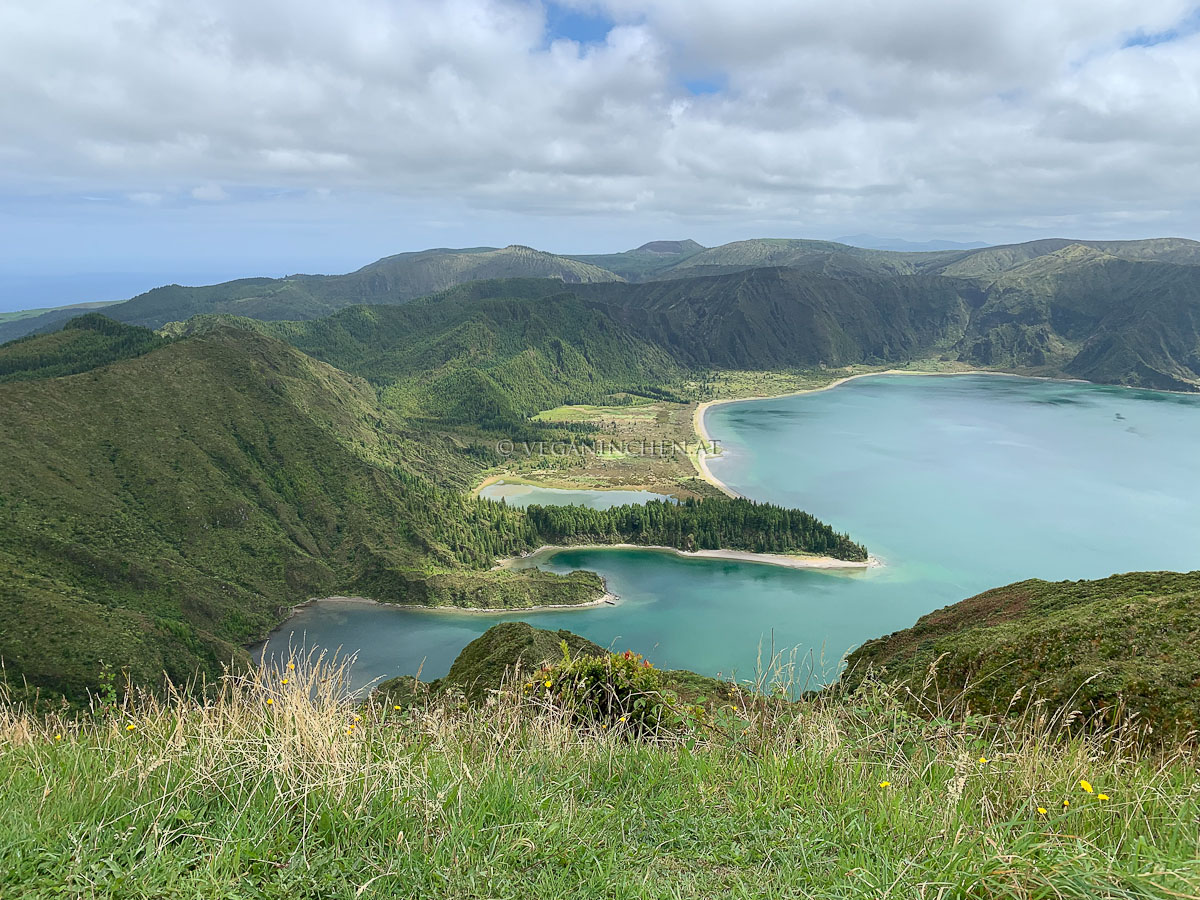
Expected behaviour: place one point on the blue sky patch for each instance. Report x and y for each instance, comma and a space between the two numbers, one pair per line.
576, 25
699, 86
1186, 26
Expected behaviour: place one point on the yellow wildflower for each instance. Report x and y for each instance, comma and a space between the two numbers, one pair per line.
885, 784
623, 719
358, 718
291, 667
285, 681
396, 707
351, 728
1087, 786
1066, 803
270, 701
130, 727
1102, 796
983, 760
1042, 811
58, 737
548, 684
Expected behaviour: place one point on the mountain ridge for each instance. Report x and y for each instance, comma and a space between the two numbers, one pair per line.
403, 277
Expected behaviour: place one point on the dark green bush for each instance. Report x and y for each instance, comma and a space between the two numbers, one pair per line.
622, 691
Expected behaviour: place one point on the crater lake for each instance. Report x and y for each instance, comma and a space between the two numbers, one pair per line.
956, 484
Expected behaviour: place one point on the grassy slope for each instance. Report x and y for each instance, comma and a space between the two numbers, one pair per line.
85, 342
1131, 639
466, 359
304, 797
782, 318
161, 510
646, 262
77, 308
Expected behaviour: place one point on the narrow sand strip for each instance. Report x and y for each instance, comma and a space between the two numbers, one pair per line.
771, 559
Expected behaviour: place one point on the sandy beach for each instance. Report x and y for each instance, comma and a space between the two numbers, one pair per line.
771, 559
608, 598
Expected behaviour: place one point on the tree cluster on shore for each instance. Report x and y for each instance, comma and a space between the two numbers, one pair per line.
725, 524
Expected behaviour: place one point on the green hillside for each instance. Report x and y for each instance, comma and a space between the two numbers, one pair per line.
486, 360
1129, 643
85, 342
782, 317
485, 664
645, 262
77, 308
162, 510
817, 257
991, 261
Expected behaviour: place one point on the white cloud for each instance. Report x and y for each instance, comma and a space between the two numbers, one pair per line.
907, 116
146, 198
212, 193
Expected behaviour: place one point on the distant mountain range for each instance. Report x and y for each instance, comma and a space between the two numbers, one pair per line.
874, 242
406, 276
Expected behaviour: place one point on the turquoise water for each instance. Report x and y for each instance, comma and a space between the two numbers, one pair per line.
527, 494
958, 484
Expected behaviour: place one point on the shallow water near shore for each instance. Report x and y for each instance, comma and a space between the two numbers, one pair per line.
528, 495
958, 483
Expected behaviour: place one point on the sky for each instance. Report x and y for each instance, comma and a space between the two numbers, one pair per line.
153, 141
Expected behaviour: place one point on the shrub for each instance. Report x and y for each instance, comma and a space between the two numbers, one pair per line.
612, 691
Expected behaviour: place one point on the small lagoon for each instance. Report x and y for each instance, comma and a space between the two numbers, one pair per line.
517, 494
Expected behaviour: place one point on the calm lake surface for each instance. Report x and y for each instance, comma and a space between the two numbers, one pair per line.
528, 494
957, 483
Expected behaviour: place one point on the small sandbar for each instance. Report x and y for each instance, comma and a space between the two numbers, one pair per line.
770, 559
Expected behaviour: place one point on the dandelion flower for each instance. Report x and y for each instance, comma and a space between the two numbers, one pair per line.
285, 681
270, 701
623, 719
396, 707
1102, 796
291, 667
1087, 786
350, 730
130, 727
358, 718
1066, 803
58, 737
548, 684
983, 760
1042, 811
885, 784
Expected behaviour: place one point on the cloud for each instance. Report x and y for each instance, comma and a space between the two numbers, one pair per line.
917, 117
212, 193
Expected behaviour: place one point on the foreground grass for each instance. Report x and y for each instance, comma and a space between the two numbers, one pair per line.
281, 790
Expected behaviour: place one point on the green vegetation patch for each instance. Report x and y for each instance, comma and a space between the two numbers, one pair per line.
280, 789
84, 343
1120, 645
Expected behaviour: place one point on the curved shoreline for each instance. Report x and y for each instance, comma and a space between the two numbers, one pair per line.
772, 559
608, 598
